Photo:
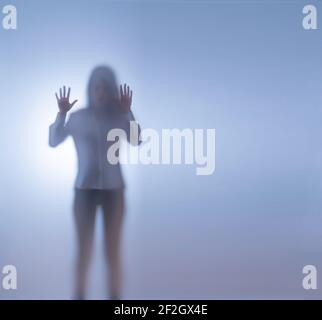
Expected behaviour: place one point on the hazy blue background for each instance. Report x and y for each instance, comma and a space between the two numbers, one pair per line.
245, 68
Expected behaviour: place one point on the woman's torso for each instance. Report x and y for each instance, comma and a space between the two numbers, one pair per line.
89, 129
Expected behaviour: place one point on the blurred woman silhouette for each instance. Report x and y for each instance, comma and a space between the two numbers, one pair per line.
98, 182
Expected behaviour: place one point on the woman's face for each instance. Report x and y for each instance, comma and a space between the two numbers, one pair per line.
101, 95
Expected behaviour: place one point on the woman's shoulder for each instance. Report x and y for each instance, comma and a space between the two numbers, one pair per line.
80, 113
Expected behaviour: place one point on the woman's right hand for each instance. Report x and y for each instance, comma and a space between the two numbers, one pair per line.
63, 100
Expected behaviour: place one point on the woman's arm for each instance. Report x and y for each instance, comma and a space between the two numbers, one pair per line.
58, 130
133, 130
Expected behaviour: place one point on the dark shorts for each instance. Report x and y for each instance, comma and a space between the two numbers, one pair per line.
90, 199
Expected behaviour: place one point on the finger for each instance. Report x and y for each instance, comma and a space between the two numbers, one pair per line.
73, 103
68, 93
124, 89
64, 91
128, 91
131, 94
121, 90
57, 97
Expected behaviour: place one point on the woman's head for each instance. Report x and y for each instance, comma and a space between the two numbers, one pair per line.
102, 88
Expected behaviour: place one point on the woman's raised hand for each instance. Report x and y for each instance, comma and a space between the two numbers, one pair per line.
125, 98
63, 100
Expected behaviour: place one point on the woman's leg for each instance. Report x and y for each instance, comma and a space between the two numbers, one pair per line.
113, 207
84, 211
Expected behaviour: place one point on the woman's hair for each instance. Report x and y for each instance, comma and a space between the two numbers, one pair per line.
108, 76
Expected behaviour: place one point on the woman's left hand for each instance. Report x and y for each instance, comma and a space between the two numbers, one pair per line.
125, 98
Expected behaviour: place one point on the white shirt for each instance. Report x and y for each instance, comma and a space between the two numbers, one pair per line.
89, 128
